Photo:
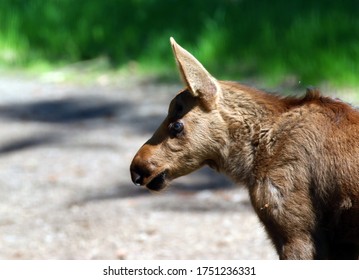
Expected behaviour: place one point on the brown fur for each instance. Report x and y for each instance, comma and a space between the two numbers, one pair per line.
298, 157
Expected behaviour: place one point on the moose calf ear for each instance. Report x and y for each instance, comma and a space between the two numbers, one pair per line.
196, 77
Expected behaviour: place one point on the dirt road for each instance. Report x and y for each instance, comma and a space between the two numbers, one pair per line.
65, 189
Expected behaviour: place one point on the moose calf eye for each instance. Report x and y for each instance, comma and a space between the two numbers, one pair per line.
176, 128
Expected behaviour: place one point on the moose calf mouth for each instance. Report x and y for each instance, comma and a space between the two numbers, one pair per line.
158, 183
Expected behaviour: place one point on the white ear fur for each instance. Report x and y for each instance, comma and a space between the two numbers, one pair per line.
199, 81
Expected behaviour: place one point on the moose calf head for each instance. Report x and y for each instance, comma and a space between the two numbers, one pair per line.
193, 133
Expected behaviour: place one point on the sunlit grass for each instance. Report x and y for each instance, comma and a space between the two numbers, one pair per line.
309, 43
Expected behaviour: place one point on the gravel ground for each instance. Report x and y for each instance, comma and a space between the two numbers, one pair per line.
65, 189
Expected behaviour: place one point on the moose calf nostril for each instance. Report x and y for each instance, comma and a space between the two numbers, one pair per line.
138, 181
139, 171
136, 178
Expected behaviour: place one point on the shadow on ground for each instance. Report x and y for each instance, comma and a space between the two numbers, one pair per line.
79, 109
62, 111
90, 110
29, 142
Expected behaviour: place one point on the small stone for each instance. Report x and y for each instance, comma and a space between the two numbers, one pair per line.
121, 254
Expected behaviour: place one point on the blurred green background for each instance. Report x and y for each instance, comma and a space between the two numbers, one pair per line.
312, 41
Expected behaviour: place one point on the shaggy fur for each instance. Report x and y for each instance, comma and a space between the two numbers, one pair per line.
298, 157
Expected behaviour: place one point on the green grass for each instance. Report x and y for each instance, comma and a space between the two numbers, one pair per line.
310, 41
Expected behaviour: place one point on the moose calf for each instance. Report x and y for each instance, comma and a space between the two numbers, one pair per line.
298, 157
